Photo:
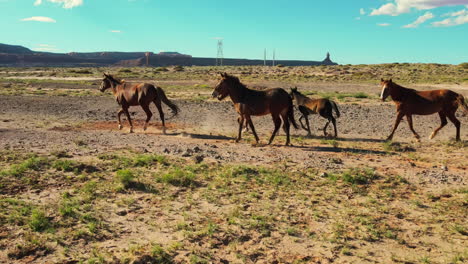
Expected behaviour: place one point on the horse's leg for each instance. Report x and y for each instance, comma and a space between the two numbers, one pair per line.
128, 118
121, 111
325, 128
395, 126
286, 128
277, 122
249, 121
308, 125
334, 126
325, 114
443, 122
302, 124
241, 124
157, 102
410, 123
148, 115
246, 128
456, 122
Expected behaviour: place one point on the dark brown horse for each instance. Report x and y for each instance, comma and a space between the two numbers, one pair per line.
411, 102
248, 102
323, 107
132, 94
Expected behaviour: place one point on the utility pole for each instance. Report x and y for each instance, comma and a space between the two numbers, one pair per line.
264, 57
274, 57
219, 56
147, 55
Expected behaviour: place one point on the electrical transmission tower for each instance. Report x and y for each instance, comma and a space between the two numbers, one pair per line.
219, 56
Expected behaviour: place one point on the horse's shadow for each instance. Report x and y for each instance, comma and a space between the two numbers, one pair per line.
350, 150
205, 136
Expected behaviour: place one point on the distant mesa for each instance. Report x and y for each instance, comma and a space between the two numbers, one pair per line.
12, 55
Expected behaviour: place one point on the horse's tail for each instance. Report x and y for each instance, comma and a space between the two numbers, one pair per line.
291, 114
335, 107
461, 102
175, 109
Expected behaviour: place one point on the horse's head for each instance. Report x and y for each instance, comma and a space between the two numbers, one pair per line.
223, 87
293, 93
106, 82
386, 84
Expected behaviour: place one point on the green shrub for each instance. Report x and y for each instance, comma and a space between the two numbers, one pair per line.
64, 165
160, 255
464, 65
359, 175
38, 221
179, 177
178, 68
161, 69
34, 163
125, 177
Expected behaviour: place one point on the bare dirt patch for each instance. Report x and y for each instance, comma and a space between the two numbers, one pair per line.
74, 188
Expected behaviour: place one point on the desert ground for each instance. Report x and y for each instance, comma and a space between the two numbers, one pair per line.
76, 189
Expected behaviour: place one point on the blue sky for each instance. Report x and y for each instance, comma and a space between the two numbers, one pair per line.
353, 31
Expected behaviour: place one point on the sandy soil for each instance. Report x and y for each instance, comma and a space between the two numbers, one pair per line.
86, 127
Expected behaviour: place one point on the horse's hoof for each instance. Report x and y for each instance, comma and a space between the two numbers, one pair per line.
144, 128
120, 127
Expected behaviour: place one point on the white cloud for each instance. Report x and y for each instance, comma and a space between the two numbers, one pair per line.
362, 11
384, 24
420, 20
398, 7
64, 3
46, 47
115, 31
457, 13
39, 19
455, 19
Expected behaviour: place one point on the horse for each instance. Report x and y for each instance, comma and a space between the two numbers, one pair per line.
248, 102
308, 106
412, 102
132, 94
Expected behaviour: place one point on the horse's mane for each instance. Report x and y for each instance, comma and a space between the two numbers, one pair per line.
301, 99
403, 88
236, 81
118, 81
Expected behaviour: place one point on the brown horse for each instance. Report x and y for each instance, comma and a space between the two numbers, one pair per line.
132, 94
308, 106
248, 102
411, 102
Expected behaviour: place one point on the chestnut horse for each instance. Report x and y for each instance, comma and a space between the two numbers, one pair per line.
411, 102
321, 106
132, 94
248, 102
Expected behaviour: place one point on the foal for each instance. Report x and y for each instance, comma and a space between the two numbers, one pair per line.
132, 94
412, 102
308, 106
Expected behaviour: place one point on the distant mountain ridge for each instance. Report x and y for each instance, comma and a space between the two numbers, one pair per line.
14, 49
13, 55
